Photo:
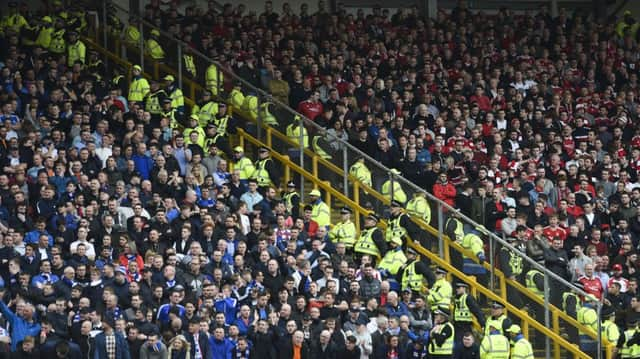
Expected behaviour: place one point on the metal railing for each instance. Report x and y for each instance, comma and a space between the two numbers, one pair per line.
334, 166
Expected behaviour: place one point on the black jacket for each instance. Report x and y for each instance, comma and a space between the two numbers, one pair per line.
203, 340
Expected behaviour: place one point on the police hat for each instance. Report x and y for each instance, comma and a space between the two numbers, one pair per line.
346, 210
497, 305
395, 203
373, 217
291, 184
440, 270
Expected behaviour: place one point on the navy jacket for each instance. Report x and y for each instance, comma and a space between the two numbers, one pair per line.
100, 347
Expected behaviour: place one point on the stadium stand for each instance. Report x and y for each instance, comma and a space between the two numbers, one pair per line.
178, 156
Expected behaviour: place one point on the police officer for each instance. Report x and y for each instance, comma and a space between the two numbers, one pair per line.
393, 187
214, 139
441, 292
571, 303
498, 319
243, 164
371, 240
76, 50
213, 79
399, 224
174, 92
588, 317
225, 122
152, 46
95, 66
321, 147
464, 307
610, 330
511, 264
441, 335
391, 263
57, 45
153, 101
414, 273
175, 118
473, 243
131, 34
534, 281
521, 347
265, 173
321, 212
194, 134
44, 33
419, 206
345, 230
139, 87
360, 171
495, 345
188, 61
206, 108
291, 200
628, 345
293, 133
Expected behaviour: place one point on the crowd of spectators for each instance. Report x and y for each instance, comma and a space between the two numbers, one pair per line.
119, 218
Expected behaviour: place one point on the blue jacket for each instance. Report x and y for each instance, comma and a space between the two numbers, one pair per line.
397, 312
228, 306
220, 349
144, 165
100, 347
20, 328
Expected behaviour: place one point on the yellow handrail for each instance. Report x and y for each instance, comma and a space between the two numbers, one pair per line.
358, 185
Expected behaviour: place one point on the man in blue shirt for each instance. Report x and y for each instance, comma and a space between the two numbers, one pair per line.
21, 325
174, 302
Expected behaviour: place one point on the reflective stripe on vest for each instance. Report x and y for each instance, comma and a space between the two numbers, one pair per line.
461, 311
411, 279
496, 323
394, 229
287, 198
365, 243
344, 232
531, 284
261, 174
496, 346
245, 166
392, 261
447, 347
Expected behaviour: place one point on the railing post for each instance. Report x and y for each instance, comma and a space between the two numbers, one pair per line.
492, 255
180, 66
599, 330
287, 170
259, 118
345, 168
440, 229
391, 187
547, 319
356, 199
141, 29
104, 24
301, 129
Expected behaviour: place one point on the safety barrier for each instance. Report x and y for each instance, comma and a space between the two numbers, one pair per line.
323, 167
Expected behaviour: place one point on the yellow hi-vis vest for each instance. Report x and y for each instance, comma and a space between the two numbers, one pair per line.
588, 317
189, 64
76, 52
440, 294
365, 243
246, 168
250, 106
213, 80
458, 231
152, 103
360, 171
447, 347
610, 331
398, 192
288, 203
236, 98
565, 297
206, 112
412, 280
57, 45
531, 284
394, 229
138, 89
392, 261
221, 123
515, 262
153, 49
293, 133
419, 207
266, 116
461, 312
343, 232
319, 150
44, 37
261, 174
132, 35
522, 350
321, 214
474, 244
495, 346
496, 323
629, 351
177, 98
